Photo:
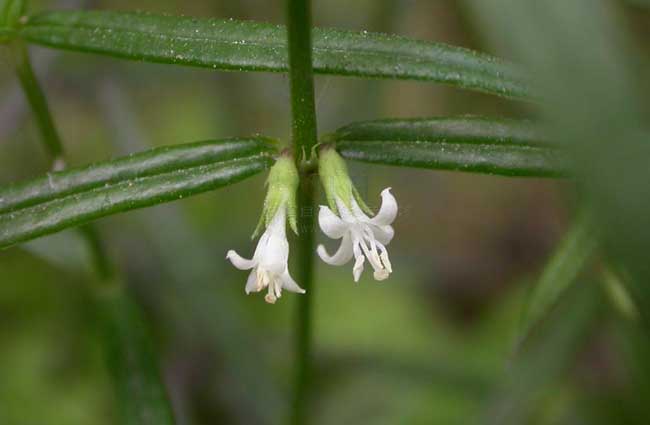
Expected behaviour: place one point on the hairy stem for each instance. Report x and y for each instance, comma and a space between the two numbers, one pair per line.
304, 139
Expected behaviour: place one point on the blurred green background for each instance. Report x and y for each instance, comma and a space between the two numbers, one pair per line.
432, 345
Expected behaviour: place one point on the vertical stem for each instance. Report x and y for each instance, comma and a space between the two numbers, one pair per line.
303, 320
301, 78
37, 101
52, 142
304, 136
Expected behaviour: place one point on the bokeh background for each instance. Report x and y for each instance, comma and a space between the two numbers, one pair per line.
432, 345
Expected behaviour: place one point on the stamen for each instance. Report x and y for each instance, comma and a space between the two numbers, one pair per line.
358, 267
386, 261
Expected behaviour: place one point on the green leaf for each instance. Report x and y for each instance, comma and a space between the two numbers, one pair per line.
76, 196
584, 58
130, 354
545, 358
250, 46
473, 144
562, 270
10, 12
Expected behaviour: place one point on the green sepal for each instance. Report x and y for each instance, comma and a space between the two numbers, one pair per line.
336, 181
362, 204
334, 178
282, 184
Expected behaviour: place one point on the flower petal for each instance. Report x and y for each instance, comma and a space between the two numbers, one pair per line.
251, 283
289, 284
330, 223
342, 255
346, 214
239, 262
388, 210
275, 255
383, 234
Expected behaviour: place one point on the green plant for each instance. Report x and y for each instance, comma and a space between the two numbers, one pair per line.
582, 111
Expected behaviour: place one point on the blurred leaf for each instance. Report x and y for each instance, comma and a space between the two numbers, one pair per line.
10, 12
473, 144
595, 102
65, 250
76, 196
545, 357
132, 362
562, 269
612, 279
251, 46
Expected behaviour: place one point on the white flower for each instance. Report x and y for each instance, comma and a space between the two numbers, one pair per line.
269, 263
361, 235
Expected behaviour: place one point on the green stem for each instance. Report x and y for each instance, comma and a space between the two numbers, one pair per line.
304, 333
304, 139
37, 101
301, 77
52, 142
101, 263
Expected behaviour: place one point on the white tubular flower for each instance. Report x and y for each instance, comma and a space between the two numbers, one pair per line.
361, 237
270, 261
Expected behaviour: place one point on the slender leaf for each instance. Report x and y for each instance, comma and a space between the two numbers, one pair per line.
131, 359
543, 360
250, 46
77, 196
562, 270
473, 144
584, 59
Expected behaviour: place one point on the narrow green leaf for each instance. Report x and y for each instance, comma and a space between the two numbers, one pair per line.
583, 56
473, 144
250, 46
77, 196
545, 358
562, 270
141, 395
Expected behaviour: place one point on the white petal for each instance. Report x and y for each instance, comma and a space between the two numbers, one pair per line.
342, 255
330, 224
344, 212
261, 246
383, 234
251, 283
239, 262
289, 284
388, 210
275, 255
358, 213
277, 225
